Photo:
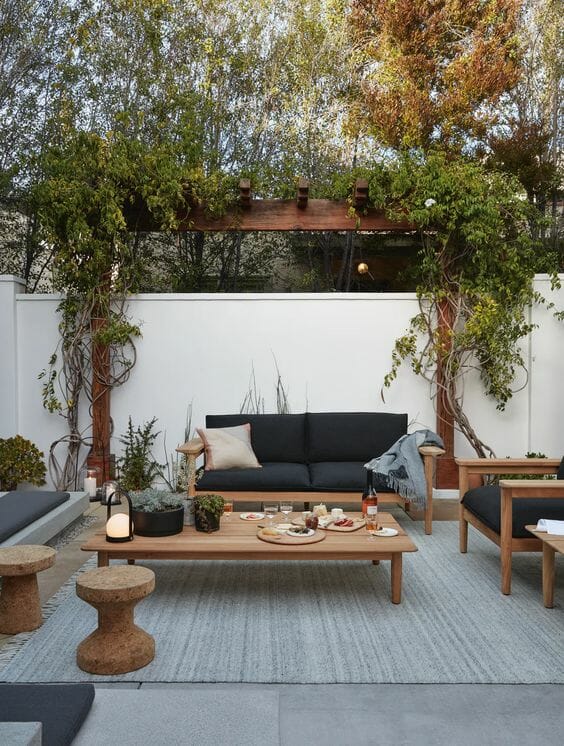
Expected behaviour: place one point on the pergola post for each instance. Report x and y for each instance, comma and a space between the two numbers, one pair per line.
447, 470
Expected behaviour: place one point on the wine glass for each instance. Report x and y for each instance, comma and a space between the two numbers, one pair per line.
270, 510
371, 522
286, 507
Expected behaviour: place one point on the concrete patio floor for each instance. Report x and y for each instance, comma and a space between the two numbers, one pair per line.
337, 714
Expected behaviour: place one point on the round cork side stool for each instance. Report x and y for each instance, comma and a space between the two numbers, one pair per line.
20, 607
117, 645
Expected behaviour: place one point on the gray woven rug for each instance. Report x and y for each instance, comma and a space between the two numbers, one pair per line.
326, 622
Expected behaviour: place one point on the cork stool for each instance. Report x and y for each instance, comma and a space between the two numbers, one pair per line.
118, 645
20, 608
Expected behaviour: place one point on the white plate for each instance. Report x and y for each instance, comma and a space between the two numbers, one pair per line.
385, 532
310, 532
252, 516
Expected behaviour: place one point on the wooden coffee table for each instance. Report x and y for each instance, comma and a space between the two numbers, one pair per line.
551, 544
237, 539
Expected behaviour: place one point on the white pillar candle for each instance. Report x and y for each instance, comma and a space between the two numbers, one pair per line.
90, 486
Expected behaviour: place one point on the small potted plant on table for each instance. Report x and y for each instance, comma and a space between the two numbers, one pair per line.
157, 513
207, 511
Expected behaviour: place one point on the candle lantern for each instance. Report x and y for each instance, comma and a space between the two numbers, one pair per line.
90, 479
119, 527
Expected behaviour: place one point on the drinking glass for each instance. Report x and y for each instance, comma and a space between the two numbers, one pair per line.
286, 507
227, 508
270, 510
371, 520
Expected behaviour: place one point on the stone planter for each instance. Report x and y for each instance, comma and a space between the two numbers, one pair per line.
161, 523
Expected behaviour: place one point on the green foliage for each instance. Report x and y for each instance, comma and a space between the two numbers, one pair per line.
212, 504
20, 461
476, 270
138, 467
155, 501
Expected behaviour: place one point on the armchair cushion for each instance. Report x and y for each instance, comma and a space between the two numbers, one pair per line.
273, 477
352, 436
341, 476
485, 504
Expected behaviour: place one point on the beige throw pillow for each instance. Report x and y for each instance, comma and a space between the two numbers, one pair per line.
228, 448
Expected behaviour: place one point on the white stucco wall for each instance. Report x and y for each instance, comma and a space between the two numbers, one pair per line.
332, 351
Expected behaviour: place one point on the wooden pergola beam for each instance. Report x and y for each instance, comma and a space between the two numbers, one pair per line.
303, 192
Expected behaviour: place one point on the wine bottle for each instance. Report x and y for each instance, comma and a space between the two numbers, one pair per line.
369, 496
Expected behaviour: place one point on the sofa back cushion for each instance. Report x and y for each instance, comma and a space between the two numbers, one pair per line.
352, 436
274, 437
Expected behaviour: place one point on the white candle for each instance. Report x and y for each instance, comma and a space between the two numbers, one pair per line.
90, 486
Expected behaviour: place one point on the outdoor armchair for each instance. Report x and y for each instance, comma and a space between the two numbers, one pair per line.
501, 512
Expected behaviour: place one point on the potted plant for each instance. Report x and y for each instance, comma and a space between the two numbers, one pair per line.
20, 461
208, 510
157, 513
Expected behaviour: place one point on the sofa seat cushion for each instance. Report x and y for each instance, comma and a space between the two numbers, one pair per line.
21, 507
273, 477
60, 708
485, 504
352, 436
274, 437
341, 476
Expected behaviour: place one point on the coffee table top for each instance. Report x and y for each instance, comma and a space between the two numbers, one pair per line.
553, 540
237, 539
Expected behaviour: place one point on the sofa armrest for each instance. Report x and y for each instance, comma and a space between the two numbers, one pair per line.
432, 451
429, 455
192, 449
468, 466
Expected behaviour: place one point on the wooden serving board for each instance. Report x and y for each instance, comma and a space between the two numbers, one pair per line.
358, 523
344, 529
287, 540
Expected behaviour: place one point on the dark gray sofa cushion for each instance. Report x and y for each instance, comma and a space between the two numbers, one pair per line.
352, 436
274, 437
61, 708
341, 476
20, 508
273, 477
485, 504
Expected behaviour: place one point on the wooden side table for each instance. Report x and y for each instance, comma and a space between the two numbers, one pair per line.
551, 544
20, 607
117, 645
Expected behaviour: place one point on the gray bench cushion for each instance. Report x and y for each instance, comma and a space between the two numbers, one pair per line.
352, 436
61, 708
274, 437
273, 477
485, 504
20, 508
341, 476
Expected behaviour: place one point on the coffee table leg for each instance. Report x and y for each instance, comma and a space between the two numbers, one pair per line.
103, 559
548, 575
396, 577
375, 562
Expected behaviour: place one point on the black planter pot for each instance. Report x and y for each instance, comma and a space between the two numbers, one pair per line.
163, 523
205, 521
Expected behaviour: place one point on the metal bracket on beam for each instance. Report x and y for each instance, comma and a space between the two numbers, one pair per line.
303, 192
245, 192
360, 193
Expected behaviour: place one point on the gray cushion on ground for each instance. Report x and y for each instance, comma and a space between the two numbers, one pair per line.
341, 476
61, 708
271, 478
20, 508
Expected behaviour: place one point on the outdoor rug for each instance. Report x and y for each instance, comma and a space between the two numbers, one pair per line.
325, 622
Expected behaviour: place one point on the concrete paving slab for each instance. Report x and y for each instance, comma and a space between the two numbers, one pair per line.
177, 718
20, 734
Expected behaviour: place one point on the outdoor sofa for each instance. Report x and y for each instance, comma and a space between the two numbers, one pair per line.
310, 456
501, 512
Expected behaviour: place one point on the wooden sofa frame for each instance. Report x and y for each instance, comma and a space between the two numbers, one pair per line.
194, 448
510, 490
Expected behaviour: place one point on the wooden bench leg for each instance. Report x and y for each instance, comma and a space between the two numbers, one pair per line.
462, 530
396, 577
548, 575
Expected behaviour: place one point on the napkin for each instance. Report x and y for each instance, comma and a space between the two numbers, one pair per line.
551, 527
